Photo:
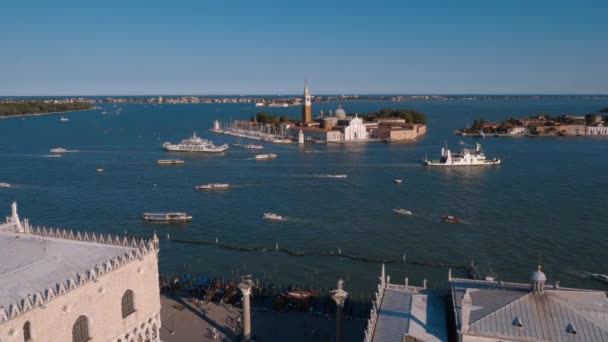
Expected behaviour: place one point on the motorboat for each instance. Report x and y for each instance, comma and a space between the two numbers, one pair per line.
167, 217
333, 176
464, 158
195, 144
266, 156
99, 170
271, 216
402, 211
213, 186
300, 295
398, 181
600, 277
170, 162
5, 185
253, 147
450, 219
58, 150
64, 119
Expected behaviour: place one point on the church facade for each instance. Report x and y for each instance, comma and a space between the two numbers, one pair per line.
63, 285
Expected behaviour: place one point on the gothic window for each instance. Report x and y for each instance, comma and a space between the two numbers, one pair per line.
27, 332
128, 306
80, 330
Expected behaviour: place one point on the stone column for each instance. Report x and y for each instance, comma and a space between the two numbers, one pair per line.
339, 296
245, 287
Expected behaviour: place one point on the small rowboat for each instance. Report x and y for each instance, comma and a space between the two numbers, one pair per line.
450, 219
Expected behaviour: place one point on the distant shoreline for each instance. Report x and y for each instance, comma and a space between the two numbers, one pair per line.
46, 113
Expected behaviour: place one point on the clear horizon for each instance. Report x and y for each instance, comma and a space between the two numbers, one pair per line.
69, 48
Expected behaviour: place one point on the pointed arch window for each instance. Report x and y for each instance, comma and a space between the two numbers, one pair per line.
128, 303
80, 330
27, 332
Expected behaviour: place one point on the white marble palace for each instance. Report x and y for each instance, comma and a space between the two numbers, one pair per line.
61, 285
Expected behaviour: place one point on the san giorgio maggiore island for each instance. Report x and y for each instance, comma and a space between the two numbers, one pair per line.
62, 285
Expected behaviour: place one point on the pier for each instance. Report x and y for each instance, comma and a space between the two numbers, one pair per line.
253, 131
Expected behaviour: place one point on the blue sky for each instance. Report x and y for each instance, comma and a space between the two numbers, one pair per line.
265, 47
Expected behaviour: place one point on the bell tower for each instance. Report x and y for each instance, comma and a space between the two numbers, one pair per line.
306, 106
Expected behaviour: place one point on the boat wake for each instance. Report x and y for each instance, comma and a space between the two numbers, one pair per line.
330, 176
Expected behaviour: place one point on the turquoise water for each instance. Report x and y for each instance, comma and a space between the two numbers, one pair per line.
550, 196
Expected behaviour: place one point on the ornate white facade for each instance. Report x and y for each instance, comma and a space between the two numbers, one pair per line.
61, 285
356, 130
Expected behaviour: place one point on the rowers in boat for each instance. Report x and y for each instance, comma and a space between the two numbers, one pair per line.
169, 162
271, 216
167, 217
253, 147
213, 186
600, 277
450, 219
402, 211
266, 156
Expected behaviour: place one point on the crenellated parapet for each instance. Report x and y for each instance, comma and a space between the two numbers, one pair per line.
138, 249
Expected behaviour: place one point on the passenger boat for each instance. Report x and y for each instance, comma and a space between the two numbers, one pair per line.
600, 277
194, 144
167, 217
213, 186
170, 162
398, 181
64, 119
402, 211
58, 150
271, 216
450, 219
5, 185
253, 147
266, 156
464, 158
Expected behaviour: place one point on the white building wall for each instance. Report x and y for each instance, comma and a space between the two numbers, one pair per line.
356, 130
101, 302
601, 130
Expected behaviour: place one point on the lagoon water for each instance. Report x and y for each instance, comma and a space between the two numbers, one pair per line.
550, 196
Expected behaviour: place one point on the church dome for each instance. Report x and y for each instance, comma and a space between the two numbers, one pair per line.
340, 113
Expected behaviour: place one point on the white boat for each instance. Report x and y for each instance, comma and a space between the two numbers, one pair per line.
464, 158
213, 186
58, 150
401, 211
167, 217
266, 156
5, 185
398, 181
601, 277
170, 162
271, 216
64, 119
253, 147
194, 144
100, 170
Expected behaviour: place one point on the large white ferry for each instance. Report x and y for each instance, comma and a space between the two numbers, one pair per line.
195, 144
464, 158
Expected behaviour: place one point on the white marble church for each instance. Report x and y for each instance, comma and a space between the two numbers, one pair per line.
61, 285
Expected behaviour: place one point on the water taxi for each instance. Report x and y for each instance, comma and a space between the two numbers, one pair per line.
402, 211
166, 217
266, 156
213, 186
271, 216
169, 162
464, 158
253, 147
194, 144
450, 219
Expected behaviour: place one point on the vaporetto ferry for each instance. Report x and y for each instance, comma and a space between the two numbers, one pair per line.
195, 144
464, 158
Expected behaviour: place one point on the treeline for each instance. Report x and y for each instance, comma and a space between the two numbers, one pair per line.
39, 107
265, 118
410, 115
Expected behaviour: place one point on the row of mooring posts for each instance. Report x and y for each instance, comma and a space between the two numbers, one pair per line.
339, 295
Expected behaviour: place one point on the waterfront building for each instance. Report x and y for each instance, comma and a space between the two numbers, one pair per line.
353, 128
487, 310
403, 131
517, 130
315, 134
598, 130
402, 312
340, 113
61, 285
160, 99
306, 106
